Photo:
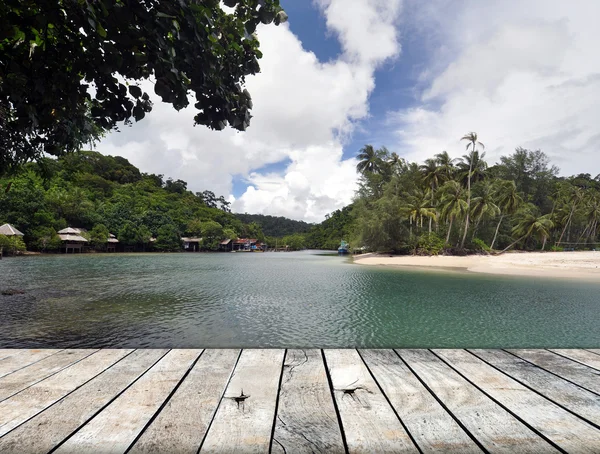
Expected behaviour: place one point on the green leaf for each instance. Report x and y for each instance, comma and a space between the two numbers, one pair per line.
135, 91
101, 31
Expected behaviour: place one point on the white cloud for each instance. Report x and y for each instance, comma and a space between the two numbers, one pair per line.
520, 74
302, 111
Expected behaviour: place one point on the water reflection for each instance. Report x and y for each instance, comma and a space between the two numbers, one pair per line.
282, 300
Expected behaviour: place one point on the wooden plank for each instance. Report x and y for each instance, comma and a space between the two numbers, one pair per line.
117, 426
573, 371
432, 427
23, 378
29, 402
245, 425
573, 397
50, 427
306, 417
588, 358
22, 359
561, 427
495, 428
369, 422
183, 422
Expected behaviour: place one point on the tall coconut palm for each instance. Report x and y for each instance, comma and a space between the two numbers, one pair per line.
453, 204
417, 207
508, 200
369, 160
591, 211
432, 176
573, 198
469, 160
446, 164
484, 206
531, 224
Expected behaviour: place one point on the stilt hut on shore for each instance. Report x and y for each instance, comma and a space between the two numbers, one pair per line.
10, 231
226, 245
71, 239
111, 245
191, 244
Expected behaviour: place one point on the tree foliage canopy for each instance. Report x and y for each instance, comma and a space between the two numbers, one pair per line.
70, 70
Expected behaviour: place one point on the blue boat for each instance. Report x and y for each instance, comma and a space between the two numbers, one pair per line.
344, 248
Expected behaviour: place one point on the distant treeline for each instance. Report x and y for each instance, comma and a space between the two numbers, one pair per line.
106, 194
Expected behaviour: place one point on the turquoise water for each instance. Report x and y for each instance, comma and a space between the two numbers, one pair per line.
303, 299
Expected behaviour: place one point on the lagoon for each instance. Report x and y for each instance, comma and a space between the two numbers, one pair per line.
283, 300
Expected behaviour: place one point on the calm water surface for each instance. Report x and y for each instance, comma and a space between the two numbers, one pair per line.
304, 299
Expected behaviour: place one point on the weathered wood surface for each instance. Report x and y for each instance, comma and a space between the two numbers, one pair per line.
115, 428
51, 427
566, 394
573, 371
29, 402
495, 428
151, 401
369, 422
22, 358
306, 417
183, 422
581, 356
432, 427
244, 424
559, 426
23, 378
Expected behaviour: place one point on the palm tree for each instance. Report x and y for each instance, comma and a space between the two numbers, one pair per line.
396, 163
446, 164
573, 197
452, 202
470, 159
591, 211
507, 199
484, 206
417, 207
369, 160
432, 176
532, 225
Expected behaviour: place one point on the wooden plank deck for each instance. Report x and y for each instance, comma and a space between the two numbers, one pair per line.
284, 401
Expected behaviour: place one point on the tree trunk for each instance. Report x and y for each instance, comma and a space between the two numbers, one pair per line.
431, 219
511, 245
449, 230
566, 225
462, 243
496, 233
544, 243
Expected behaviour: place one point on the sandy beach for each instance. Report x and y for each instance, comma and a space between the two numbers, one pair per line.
578, 265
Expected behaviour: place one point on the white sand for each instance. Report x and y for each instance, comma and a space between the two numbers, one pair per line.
581, 265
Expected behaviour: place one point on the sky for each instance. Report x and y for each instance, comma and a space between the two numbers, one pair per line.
409, 75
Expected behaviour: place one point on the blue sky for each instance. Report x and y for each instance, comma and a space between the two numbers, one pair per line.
394, 82
411, 75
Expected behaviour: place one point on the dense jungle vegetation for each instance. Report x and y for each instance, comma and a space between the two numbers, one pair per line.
463, 204
446, 204
105, 194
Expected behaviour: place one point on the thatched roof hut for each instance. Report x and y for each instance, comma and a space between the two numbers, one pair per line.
69, 230
9, 230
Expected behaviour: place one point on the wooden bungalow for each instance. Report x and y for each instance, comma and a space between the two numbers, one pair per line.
191, 244
71, 239
248, 245
111, 245
9, 230
226, 245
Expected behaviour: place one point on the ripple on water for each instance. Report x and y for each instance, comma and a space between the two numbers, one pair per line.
282, 300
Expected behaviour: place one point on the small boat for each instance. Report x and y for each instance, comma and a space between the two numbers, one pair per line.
344, 248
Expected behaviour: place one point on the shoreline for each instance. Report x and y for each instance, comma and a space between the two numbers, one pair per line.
583, 265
